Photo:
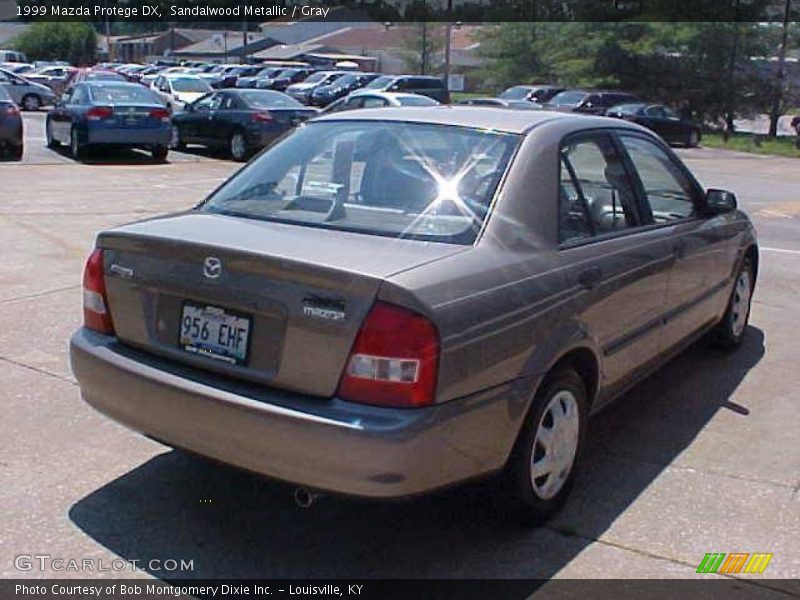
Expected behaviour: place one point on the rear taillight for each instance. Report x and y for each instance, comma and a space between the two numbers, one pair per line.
97, 113
394, 360
95, 302
12, 110
160, 113
261, 117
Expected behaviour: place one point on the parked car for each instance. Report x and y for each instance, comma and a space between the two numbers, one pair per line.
178, 90
287, 77
500, 102
412, 84
325, 94
370, 99
13, 56
232, 75
389, 301
11, 141
302, 91
533, 94
242, 121
661, 119
54, 77
589, 102
265, 73
29, 95
92, 74
121, 114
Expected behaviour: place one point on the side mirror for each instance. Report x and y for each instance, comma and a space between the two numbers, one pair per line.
720, 201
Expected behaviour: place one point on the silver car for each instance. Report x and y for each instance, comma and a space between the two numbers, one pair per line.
388, 301
28, 94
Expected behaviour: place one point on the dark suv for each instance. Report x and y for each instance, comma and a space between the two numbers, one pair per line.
425, 85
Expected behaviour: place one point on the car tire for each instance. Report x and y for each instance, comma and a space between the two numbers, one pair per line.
159, 153
693, 139
558, 414
16, 152
176, 143
31, 102
237, 147
52, 143
730, 331
77, 150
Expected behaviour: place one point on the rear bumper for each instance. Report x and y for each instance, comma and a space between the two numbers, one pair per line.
325, 444
129, 137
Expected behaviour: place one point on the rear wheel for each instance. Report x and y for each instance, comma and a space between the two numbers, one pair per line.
16, 152
52, 143
541, 471
729, 333
76, 148
160, 153
693, 139
31, 102
237, 147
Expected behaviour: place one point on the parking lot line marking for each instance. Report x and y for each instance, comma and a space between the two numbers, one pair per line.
785, 250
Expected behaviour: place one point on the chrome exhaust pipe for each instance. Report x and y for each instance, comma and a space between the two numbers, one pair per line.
304, 498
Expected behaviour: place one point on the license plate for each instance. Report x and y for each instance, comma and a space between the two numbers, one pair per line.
215, 332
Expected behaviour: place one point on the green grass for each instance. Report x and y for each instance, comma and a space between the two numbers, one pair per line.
458, 96
745, 142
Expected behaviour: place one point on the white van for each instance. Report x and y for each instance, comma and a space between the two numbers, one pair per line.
12, 56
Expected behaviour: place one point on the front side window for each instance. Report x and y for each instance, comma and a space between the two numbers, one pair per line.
411, 180
595, 195
668, 192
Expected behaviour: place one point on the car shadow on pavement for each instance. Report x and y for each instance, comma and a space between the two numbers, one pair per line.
235, 525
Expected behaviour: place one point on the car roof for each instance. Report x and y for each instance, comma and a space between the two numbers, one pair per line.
481, 117
110, 83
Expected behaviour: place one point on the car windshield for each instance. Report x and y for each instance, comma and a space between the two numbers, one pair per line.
397, 179
517, 92
416, 101
268, 99
268, 72
627, 109
379, 83
122, 94
190, 84
347, 79
569, 97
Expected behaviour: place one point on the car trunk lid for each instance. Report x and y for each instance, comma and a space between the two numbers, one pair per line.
302, 292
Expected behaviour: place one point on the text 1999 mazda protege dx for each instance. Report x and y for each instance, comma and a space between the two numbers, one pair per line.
389, 301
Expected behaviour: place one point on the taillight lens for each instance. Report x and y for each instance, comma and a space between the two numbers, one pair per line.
394, 360
95, 301
97, 113
12, 110
261, 117
160, 113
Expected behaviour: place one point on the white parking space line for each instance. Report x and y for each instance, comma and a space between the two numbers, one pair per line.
783, 250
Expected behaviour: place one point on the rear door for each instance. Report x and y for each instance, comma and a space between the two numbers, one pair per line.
618, 266
703, 249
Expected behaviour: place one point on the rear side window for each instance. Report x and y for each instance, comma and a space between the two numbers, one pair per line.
668, 192
595, 195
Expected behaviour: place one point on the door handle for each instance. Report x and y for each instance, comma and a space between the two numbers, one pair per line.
590, 277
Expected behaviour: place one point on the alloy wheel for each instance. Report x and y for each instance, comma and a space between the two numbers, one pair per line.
740, 302
238, 146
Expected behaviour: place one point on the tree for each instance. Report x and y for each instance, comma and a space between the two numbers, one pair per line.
423, 47
72, 42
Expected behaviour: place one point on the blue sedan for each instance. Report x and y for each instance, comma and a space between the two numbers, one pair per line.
113, 113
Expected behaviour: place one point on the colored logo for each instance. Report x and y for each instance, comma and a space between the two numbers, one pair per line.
736, 562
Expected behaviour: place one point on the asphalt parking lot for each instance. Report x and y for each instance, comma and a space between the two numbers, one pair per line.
702, 457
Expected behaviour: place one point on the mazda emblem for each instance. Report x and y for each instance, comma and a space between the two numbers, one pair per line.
212, 267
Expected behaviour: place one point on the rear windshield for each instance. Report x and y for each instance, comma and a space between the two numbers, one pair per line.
516, 93
190, 84
379, 83
416, 101
410, 180
268, 99
120, 94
